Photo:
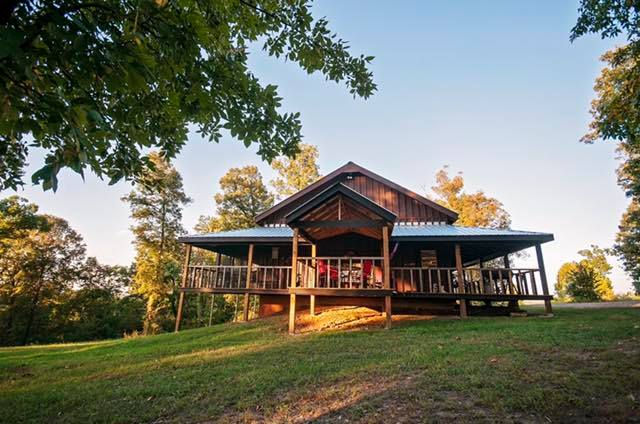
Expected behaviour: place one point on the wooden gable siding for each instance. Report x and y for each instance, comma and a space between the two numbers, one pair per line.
406, 208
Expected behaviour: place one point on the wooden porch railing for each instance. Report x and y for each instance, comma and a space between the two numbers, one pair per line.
366, 272
506, 281
490, 281
270, 277
358, 272
424, 280
216, 276
235, 277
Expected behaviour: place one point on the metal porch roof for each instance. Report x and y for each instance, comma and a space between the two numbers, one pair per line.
400, 233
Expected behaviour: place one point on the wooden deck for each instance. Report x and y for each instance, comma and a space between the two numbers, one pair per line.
352, 277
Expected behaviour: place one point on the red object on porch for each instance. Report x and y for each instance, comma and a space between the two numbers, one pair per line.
366, 267
322, 270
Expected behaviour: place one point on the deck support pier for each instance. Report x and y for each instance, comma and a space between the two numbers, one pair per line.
543, 279
294, 282
460, 270
292, 313
314, 275
386, 275
245, 310
387, 312
185, 273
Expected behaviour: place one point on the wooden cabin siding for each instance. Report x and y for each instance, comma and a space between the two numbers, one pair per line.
404, 207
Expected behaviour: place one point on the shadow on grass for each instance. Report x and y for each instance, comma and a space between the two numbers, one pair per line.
235, 372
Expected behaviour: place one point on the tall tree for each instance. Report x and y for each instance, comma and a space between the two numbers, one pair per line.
474, 209
616, 111
156, 207
36, 269
49, 292
243, 195
587, 279
562, 279
17, 218
18, 221
295, 174
627, 244
582, 283
94, 83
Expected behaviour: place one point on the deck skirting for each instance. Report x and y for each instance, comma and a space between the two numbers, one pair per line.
374, 293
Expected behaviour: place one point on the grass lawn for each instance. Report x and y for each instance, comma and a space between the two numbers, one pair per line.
579, 365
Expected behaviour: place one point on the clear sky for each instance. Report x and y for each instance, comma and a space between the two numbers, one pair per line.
494, 89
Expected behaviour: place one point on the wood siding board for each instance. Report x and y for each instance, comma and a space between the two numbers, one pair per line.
406, 208
361, 176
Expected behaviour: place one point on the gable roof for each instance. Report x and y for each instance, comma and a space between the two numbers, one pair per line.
350, 168
336, 189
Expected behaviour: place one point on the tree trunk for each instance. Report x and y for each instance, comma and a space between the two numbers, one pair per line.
150, 318
5, 337
32, 312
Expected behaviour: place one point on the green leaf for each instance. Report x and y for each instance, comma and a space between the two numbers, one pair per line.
10, 40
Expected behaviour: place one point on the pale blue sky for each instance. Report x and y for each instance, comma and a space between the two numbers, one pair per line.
493, 89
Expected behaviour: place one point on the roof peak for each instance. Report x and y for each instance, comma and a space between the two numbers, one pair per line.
349, 167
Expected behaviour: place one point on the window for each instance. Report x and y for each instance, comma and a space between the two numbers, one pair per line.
428, 259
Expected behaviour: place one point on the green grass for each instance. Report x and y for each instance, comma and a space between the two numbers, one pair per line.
581, 364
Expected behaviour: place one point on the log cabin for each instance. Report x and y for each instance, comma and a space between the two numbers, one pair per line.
356, 238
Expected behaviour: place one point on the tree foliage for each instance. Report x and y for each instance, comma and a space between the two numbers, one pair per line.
50, 291
17, 218
597, 257
586, 280
616, 111
295, 174
98, 314
156, 207
609, 18
627, 244
582, 283
95, 83
37, 270
474, 209
562, 279
113, 278
242, 196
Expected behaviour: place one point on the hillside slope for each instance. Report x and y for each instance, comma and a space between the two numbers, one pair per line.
580, 364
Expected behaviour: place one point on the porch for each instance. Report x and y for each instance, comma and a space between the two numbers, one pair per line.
343, 248
345, 276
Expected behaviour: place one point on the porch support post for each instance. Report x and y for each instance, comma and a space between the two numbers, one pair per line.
461, 289
245, 310
513, 304
294, 281
386, 272
185, 274
543, 279
218, 263
314, 275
